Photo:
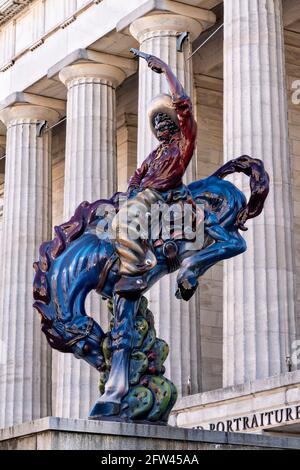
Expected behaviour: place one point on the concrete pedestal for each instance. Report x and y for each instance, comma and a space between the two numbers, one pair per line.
68, 434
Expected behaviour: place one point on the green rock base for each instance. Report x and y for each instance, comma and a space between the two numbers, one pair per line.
151, 396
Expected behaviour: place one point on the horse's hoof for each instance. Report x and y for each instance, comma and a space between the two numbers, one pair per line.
187, 288
102, 409
178, 294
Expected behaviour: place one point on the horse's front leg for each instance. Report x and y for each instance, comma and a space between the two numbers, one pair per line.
117, 386
226, 245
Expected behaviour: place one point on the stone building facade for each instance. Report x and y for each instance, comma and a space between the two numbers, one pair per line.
74, 127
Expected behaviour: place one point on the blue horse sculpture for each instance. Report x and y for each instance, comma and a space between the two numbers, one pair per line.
77, 261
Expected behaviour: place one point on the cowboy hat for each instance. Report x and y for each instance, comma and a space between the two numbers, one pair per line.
161, 104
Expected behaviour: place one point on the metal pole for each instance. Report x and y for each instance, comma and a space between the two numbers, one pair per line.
206, 40
48, 129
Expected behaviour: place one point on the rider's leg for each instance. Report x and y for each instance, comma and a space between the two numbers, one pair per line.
227, 245
132, 244
122, 334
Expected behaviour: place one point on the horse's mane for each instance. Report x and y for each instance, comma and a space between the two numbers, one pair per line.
65, 234
69, 231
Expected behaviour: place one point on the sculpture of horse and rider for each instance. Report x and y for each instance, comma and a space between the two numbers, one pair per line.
78, 260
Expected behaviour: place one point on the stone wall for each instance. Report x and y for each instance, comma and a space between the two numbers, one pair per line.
58, 168
127, 110
209, 94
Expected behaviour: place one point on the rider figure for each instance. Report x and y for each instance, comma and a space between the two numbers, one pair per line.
159, 178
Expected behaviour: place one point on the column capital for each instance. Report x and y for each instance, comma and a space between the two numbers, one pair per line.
28, 112
21, 105
153, 7
89, 70
150, 26
86, 56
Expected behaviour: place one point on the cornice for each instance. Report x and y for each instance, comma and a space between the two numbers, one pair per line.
11, 8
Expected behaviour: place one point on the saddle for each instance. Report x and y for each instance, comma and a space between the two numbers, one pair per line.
170, 250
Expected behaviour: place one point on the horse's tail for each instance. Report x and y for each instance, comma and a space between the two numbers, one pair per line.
259, 185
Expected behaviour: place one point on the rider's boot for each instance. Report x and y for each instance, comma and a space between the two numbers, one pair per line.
131, 286
109, 404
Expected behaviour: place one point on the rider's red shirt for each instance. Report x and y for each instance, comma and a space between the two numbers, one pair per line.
164, 168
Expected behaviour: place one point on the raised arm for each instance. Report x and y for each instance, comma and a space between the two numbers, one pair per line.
175, 87
182, 104
181, 101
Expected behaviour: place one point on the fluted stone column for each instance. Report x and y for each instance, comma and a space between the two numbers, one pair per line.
25, 380
2, 154
90, 174
91, 132
177, 322
2, 164
259, 318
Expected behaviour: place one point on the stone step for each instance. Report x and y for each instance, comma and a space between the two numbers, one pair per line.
71, 434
